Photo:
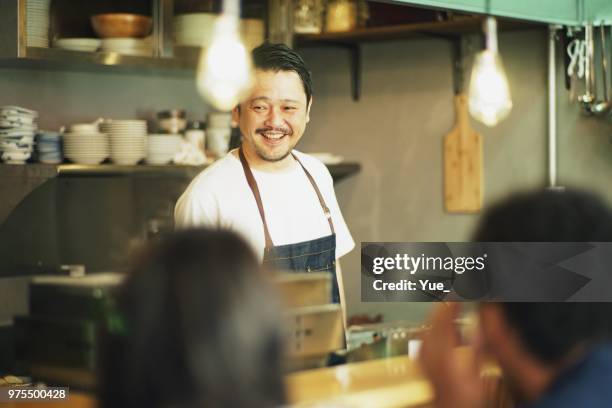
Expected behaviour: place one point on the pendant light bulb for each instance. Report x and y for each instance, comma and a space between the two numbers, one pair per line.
224, 73
489, 94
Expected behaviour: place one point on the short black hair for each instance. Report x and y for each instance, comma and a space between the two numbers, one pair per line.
199, 327
552, 330
279, 57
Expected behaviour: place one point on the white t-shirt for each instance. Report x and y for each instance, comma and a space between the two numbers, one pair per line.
220, 197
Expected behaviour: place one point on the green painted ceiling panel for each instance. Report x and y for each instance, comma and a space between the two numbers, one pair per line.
566, 12
597, 10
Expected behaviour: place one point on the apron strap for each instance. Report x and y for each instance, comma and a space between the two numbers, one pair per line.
319, 195
255, 190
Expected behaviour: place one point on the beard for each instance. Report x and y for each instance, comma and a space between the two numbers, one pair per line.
274, 154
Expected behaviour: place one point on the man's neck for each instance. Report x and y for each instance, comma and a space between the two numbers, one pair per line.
257, 163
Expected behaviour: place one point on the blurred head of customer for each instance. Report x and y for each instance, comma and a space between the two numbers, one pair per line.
196, 325
552, 354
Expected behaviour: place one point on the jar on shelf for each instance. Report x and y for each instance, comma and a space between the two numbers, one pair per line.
341, 16
308, 16
172, 121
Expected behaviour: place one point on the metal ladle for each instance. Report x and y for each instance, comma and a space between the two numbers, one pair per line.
588, 98
602, 107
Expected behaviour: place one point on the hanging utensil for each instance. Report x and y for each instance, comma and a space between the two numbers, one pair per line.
589, 72
462, 153
602, 107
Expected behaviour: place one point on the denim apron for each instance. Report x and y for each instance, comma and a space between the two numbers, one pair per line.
317, 255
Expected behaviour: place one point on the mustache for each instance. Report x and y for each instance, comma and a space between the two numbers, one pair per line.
284, 130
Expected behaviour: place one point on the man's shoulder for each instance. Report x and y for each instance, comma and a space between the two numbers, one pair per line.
313, 165
220, 174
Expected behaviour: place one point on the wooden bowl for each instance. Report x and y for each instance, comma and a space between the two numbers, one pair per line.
124, 25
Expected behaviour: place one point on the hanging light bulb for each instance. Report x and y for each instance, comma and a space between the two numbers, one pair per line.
224, 73
489, 95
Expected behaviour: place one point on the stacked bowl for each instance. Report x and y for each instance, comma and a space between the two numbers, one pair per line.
218, 133
49, 147
37, 23
161, 148
127, 140
128, 46
78, 44
124, 33
84, 144
193, 29
17, 129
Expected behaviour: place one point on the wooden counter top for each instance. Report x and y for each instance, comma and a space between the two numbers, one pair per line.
386, 383
395, 382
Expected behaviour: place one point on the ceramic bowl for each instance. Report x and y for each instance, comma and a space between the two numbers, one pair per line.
121, 25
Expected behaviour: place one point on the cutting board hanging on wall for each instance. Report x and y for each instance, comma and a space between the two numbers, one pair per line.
462, 163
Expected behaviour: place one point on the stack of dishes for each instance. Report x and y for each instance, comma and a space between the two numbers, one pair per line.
78, 44
127, 140
161, 148
253, 32
17, 129
194, 29
129, 46
218, 133
84, 144
37, 23
49, 147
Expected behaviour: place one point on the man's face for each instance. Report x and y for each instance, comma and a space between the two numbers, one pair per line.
273, 117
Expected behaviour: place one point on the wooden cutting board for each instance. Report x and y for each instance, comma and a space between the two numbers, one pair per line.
462, 163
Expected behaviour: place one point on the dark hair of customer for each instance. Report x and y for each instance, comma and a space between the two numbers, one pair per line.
196, 325
552, 330
279, 57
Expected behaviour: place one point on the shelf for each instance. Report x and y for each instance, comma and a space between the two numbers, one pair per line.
184, 62
338, 171
445, 29
449, 30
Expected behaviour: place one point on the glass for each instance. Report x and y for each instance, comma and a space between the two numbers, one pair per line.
341, 16
307, 16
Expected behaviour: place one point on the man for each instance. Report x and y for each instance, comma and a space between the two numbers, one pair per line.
281, 200
551, 354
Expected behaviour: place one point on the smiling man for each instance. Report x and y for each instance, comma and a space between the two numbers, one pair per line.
281, 200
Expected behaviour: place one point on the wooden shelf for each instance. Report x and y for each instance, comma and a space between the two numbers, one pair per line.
447, 29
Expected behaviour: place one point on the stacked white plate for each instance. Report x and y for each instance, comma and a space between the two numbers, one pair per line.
17, 129
127, 140
78, 44
86, 147
194, 29
162, 148
253, 32
129, 46
37, 23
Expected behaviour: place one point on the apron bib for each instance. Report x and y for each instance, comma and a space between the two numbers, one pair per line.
317, 255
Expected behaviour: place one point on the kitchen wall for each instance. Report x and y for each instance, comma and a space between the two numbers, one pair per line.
395, 131
66, 97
